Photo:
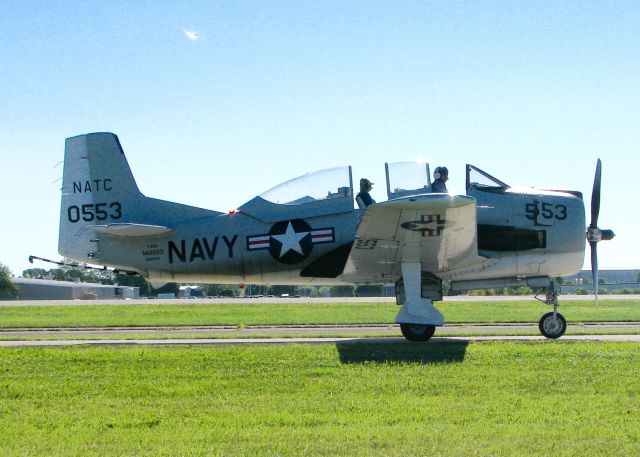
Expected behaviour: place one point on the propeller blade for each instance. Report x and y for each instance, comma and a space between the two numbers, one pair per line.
594, 269
595, 196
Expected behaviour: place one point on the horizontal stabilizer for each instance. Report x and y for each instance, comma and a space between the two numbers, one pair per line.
128, 229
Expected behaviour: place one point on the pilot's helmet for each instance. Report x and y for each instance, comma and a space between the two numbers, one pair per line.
365, 185
438, 172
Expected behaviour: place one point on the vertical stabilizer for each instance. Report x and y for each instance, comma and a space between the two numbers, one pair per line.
98, 188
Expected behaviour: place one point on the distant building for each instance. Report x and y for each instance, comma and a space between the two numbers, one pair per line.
190, 292
44, 289
614, 281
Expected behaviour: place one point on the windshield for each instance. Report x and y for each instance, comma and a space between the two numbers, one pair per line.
407, 178
321, 185
482, 180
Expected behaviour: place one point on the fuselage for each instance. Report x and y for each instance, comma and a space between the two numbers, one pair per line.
521, 232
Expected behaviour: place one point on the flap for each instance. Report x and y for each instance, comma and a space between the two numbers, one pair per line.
437, 230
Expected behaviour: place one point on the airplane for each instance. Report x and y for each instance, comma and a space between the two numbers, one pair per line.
309, 231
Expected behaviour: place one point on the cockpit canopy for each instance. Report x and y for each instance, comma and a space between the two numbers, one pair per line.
311, 195
407, 178
331, 190
320, 185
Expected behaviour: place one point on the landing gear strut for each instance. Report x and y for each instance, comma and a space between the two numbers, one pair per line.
552, 325
418, 318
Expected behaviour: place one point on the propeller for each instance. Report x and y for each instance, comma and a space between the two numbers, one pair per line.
594, 234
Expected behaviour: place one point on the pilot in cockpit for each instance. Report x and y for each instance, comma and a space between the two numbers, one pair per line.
363, 198
440, 176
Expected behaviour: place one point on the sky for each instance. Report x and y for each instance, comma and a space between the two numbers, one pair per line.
216, 102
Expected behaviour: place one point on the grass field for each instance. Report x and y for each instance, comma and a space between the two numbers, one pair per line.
301, 313
547, 398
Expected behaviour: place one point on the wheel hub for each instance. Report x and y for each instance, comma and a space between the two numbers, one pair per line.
552, 325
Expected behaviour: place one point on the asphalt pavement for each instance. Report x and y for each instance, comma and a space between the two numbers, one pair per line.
260, 334
236, 341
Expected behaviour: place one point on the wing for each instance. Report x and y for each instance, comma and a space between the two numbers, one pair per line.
437, 230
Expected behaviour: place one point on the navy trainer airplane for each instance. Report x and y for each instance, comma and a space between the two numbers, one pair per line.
308, 231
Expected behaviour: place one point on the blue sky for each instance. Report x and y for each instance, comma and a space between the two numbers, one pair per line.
532, 92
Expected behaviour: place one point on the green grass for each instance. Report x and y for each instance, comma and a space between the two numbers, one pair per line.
369, 398
299, 313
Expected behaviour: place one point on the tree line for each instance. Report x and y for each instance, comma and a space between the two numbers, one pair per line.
80, 274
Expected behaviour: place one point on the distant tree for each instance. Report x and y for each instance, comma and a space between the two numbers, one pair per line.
223, 290
446, 289
59, 274
36, 273
324, 291
523, 290
78, 273
581, 291
229, 290
209, 289
123, 279
625, 291
477, 293
168, 288
638, 278
308, 291
342, 291
7, 288
602, 281
369, 290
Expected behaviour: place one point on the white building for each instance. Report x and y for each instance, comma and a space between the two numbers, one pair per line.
44, 289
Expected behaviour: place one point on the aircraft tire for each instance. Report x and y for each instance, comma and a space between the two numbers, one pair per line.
417, 332
551, 328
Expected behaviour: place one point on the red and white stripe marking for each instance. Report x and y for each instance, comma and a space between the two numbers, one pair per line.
259, 242
322, 236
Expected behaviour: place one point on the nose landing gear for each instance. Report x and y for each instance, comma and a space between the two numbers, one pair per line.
552, 325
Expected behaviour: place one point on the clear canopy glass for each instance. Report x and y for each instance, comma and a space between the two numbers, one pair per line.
406, 178
481, 179
320, 185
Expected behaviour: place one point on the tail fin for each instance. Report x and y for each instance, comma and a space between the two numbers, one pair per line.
94, 166
97, 185
100, 195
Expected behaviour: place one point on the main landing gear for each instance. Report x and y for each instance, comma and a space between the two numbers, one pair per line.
418, 318
552, 325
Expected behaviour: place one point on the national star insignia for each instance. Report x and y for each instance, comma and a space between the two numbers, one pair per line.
290, 240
